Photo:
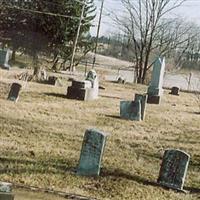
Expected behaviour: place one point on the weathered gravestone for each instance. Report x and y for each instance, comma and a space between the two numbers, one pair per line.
91, 153
84, 90
53, 80
143, 100
4, 58
173, 169
175, 91
155, 90
14, 92
6, 191
130, 110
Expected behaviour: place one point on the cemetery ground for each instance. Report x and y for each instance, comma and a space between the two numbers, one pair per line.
41, 138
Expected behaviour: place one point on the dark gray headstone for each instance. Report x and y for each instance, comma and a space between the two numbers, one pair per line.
81, 84
52, 80
143, 99
173, 169
130, 110
91, 153
175, 91
153, 99
81, 90
76, 93
14, 92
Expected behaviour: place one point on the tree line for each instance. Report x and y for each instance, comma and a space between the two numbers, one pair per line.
147, 31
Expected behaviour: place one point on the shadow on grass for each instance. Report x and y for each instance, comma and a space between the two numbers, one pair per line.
113, 116
32, 166
141, 180
109, 96
196, 113
56, 95
19, 64
126, 175
192, 190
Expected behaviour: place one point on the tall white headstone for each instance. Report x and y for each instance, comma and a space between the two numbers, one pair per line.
155, 89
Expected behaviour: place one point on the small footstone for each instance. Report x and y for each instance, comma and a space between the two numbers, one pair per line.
91, 153
173, 169
175, 91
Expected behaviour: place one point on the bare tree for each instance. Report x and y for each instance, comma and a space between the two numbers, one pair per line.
142, 22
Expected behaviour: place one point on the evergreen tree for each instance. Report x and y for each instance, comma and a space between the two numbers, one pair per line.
41, 26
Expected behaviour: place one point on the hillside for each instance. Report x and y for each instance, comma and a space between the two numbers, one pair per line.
41, 138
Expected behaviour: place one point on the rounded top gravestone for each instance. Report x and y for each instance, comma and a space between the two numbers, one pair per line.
173, 169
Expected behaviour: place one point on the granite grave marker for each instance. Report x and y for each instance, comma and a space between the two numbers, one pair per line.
155, 90
84, 90
91, 153
14, 92
143, 100
173, 169
130, 110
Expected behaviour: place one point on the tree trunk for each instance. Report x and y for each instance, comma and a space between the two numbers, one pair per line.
13, 55
37, 70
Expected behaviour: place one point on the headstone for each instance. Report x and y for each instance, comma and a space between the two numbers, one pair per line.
14, 92
6, 191
52, 80
175, 91
130, 110
84, 90
44, 76
93, 78
91, 153
121, 80
143, 99
155, 88
173, 169
4, 58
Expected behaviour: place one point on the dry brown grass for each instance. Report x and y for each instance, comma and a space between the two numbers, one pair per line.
41, 138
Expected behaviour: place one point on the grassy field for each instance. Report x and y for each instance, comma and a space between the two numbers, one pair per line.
41, 138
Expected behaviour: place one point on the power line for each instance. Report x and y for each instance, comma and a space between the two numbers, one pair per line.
40, 12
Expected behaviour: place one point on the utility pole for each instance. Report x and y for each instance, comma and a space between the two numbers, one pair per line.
97, 36
71, 68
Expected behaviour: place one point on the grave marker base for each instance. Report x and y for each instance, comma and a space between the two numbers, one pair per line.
153, 99
6, 196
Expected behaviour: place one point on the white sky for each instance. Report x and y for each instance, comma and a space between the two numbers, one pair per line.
190, 10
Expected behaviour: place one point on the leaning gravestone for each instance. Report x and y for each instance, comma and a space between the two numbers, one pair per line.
6, 191
14, 92
91, 153
155, 88
143, 99
84, 90
130, 110
173, 169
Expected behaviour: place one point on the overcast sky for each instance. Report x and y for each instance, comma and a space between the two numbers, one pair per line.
190, 10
